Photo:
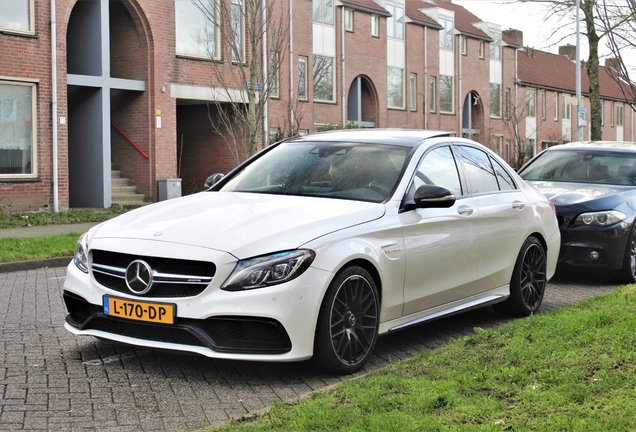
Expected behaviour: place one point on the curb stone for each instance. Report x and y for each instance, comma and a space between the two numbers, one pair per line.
14, 266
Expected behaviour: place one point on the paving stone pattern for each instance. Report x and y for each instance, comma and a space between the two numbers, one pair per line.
53, 380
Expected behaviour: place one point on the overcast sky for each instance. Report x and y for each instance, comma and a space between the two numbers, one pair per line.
528, 17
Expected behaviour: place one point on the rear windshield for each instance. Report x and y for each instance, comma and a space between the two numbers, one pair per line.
584, 166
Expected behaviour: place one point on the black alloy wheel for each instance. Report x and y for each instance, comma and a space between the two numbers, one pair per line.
348, 322
528, 281
627, 273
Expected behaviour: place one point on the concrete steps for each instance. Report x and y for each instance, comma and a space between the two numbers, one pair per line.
122, 193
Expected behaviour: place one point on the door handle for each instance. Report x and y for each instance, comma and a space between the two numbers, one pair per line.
518, 205
465, 210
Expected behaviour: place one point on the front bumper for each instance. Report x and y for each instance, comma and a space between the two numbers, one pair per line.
269, 324
594, 247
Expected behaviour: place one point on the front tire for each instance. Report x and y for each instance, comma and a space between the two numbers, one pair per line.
627, 273
347, 328
528, 281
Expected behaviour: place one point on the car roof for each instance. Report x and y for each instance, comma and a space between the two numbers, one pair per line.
597, 145
403, 137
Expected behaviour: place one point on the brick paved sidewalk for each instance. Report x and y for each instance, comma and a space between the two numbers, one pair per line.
53, 380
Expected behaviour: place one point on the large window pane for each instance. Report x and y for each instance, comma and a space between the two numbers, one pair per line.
495, 45
495, 100
446, 94
322, 11
395, 87
480, 175
196, 30
16, 129
531, 103
438, 168
14, 15
323, 78
302, 78
446, 33
237, 30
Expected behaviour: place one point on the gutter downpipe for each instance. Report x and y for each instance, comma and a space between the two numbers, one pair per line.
342, 66
459, 99
266, 71
425, 83
291, 69
54, 105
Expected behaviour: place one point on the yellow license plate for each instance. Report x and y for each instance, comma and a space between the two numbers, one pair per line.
162, 313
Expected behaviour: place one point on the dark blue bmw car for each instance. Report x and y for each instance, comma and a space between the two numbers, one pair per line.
593, 187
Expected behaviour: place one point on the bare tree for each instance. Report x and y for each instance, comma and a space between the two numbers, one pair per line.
594, 32
619, 20
250, 39
514, 120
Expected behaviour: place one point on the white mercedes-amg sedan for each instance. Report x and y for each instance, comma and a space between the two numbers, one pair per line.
316, 246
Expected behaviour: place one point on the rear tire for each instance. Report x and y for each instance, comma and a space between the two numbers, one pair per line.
528, 281
347, 328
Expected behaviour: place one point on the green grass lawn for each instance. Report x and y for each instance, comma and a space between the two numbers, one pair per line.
20, 249
573, 369
27, 219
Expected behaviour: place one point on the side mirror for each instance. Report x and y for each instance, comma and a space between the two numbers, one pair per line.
213, 179
430, 196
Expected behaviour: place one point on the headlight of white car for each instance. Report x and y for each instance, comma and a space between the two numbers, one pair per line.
267, 270
602, 218
81, 253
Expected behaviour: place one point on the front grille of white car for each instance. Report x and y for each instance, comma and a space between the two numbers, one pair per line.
172, 278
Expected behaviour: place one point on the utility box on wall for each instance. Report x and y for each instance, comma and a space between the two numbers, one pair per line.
168, 189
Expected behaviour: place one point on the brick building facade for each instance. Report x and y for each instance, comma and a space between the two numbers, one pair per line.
129, 85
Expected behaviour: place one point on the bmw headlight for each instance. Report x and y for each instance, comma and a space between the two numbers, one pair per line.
81, 253
267, 270
602, 218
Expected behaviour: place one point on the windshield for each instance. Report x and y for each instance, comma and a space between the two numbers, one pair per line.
365, 172
583, 166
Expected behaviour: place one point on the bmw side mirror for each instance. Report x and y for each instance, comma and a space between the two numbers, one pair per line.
213, 179
430, 196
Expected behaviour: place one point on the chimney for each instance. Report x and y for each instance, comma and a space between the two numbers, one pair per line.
568, 51
613, 63
515, 35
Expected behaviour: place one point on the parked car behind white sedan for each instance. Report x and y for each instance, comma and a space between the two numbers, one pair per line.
315, 247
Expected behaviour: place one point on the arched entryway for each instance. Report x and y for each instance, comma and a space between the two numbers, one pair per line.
362, 103
472, 116
107, 75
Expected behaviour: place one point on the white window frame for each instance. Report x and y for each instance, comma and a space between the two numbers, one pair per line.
445, 42
413, 92
531, 102
302, 77
5, 117
464, 45
566, 113
602, 113
556, 107
333, 79
31, 20
274, 78
432, 94
452, 94
495, 44
543, 104
395, 23
495, 113
324, 6
183, 39
238, 57
390, 102
619, 114
348, 18
375, 25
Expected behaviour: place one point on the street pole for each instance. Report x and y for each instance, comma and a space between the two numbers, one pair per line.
579, 101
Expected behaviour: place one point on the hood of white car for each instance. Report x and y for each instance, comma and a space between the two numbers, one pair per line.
242, 224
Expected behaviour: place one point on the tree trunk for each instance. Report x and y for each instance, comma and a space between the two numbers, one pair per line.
588, 7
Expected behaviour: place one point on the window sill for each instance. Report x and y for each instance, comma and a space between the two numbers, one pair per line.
19, 179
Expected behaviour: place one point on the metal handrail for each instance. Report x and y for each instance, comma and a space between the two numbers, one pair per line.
129, 140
